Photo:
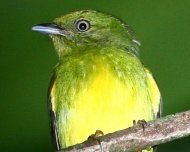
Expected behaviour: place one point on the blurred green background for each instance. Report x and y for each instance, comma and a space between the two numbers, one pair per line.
27, 59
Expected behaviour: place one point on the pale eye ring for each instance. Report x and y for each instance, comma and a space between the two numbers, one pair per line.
82, 25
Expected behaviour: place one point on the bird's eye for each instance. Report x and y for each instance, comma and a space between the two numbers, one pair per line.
82, 25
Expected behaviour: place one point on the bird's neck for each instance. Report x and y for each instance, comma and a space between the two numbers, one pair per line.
65, 48
98, 50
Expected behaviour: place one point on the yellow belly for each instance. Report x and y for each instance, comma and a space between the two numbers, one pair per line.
108, 104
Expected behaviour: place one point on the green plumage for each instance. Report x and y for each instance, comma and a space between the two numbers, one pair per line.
99, 82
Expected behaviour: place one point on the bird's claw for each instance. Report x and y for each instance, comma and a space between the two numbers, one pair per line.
94, 138
142, 123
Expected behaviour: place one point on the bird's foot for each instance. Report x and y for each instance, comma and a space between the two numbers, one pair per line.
94, 138
142, 123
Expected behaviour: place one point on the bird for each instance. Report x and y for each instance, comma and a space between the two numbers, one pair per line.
99, 82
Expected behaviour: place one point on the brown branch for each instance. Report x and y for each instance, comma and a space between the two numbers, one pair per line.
156, 132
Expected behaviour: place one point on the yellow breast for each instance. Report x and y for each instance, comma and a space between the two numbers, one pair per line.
108, 104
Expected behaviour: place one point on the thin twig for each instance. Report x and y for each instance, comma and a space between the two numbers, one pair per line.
156, 132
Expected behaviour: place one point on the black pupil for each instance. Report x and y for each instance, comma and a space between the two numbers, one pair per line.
82, 26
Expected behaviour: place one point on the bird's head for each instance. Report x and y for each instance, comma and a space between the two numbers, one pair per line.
83, 30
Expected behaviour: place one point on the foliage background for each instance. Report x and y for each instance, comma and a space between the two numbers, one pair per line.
27, 59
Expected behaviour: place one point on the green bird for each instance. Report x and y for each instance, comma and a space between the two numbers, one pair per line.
99, 82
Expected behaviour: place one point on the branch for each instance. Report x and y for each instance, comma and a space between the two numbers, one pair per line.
156, 132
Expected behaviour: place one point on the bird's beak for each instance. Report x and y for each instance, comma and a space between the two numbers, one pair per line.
50, 29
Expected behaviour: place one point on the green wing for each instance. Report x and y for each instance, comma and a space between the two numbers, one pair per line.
52, 115
155, 95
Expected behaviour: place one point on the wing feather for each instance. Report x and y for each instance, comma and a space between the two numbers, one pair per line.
52, 114
155, 96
